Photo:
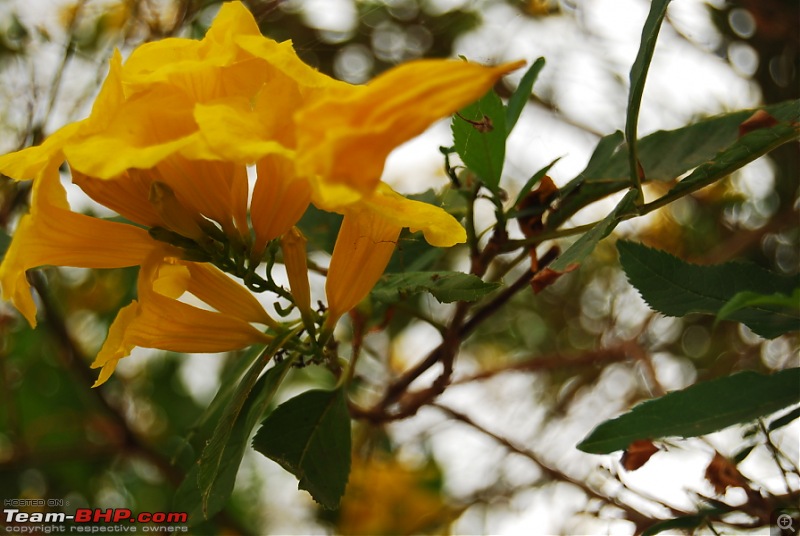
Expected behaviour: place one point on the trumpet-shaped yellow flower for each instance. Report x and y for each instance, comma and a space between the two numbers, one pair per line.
367, 239
167, 146
159, 320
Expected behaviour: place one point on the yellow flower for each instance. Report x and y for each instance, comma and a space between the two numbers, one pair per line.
367, 239
167, 146
159, 320
52, 234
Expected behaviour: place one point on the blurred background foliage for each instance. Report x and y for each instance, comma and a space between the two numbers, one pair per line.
497, 455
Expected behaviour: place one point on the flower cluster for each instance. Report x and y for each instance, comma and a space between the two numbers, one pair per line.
168, 145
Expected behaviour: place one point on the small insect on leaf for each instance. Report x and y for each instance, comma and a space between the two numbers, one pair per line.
483, 125
637, 454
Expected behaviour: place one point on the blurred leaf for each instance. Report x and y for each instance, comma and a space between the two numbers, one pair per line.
479, 135
778, 313
516, 103
784, 419
676, 288
743, 151
528, 186
697, 410
447, 287
682, 522
320, 228
309, 436
204, 503
210, 462
664, 155
586, 243
5, 241
638, 76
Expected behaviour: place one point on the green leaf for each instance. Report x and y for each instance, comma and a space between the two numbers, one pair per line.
516, 103
746, 149
529, 184
5, 241
664, 155
483, 152
677, 288
203, 503
589, 240
776, 313
784, 419
638, 76
697, 410
683, 522
309, 436
211, 460
447, 287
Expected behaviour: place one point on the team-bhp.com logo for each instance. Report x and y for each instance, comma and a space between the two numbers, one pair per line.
26, 522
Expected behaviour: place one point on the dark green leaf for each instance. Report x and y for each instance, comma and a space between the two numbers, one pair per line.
658, 9
516, 103
202, 504
700, 409
5, 241
310, 437
777, 313
682, 522
447, 287
676, 288
743, 151
530, 183
664, 155
586, 243
740, 456
210, 462
320, 228
482, 148
784, 419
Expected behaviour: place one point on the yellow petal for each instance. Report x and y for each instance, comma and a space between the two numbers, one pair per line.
346, 137
440, 228
127, 195
363, 248
51, 235
142, 132
279, 199
158, 321
232, 130
225, 295
293, 245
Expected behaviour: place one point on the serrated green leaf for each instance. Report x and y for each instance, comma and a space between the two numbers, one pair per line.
589, 240
447, 287
676, 288
516, 103
697, 410
309, 436
203, 503
784, 419
638, 76
665, 155
482, 150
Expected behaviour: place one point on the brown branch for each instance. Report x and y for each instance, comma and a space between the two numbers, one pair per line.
550, 472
